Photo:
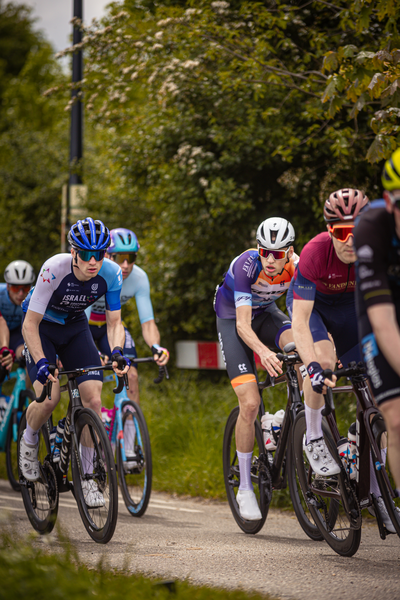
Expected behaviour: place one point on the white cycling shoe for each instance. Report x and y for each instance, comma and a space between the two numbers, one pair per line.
387, 521
319, 457
91, 493
248, 505
28, 460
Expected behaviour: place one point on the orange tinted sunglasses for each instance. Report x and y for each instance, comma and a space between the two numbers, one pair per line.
341, 232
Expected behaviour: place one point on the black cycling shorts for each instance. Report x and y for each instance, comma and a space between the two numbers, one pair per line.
72, 343
238, 357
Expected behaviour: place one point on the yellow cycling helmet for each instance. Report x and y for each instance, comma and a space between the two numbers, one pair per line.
391, 172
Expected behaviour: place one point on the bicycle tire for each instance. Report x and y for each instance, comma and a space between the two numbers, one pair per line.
136, 485
300, 506
41, 497
100, 522
232, 477
384, 477
12, 455
329, 513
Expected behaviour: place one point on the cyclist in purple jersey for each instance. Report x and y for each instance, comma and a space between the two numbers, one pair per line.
249, 321
321, 303
377, 237
55, 324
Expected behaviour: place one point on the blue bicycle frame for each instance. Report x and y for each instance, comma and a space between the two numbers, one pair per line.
9, 405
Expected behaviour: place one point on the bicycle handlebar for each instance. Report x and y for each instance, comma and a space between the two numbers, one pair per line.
73, 375
353, 370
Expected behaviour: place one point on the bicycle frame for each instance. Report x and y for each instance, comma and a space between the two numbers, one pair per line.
294, 404
11, 405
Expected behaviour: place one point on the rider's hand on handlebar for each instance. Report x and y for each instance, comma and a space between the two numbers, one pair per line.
317, 379
120, 363
161, 355
43, 374
7, 357
271, 363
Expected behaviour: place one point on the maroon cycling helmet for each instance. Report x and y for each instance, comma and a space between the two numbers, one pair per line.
344, 205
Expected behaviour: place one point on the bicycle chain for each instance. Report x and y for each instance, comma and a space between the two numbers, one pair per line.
52, 494
264, 478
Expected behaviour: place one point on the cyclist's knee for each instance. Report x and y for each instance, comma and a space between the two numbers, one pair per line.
248, 408
391, 414
133, 375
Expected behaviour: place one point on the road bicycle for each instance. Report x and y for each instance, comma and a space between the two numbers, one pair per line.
336, 502
86, 443
270, 470
11, 409
126, 422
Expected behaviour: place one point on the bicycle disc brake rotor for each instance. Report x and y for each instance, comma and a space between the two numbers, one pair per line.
50, 483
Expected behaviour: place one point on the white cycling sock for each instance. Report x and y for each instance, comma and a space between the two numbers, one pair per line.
87, 455
31, 435
313, 423
129, 435
373, 482
244, 470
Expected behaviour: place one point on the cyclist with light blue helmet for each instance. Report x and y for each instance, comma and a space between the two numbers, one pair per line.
123, 251
55, 324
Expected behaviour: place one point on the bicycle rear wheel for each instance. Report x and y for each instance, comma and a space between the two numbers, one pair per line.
40, 497
259, 474
300, 505
98, 466
384, 476
135, 477
329, 499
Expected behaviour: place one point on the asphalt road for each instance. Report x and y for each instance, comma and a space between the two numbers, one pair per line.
199, 541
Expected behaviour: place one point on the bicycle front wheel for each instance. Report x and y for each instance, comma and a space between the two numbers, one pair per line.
384, 476
40, 497
96, 492
325, 497
299, 502
259, 473
135, 476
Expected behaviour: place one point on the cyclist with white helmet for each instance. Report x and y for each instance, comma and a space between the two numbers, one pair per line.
248, 322
55, 324
123, 251
19, 276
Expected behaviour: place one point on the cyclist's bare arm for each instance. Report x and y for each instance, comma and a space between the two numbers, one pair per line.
30, 332
302, 336
7, 360
386, 329
245, 331
116, 334
151, 336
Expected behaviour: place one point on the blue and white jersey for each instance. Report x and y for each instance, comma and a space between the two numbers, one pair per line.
135, 285
60, 297
11, 312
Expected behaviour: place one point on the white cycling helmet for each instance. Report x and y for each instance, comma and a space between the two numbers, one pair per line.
19, 272
278, 229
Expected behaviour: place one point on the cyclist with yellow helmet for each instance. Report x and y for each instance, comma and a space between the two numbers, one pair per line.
377, 240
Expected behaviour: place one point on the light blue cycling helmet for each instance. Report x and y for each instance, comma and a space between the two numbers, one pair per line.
89, 235
123, 240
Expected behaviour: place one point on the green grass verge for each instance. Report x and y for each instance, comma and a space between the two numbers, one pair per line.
27, 571
186, 417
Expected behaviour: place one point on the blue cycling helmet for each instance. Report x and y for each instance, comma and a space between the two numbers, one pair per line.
123, 240
89, 235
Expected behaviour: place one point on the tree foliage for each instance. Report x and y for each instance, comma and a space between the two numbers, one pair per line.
212, 120
33, 142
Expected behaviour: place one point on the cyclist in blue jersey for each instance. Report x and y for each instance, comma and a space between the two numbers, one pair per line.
123, 251
377, 239
19, 276
55, 324
249, 321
